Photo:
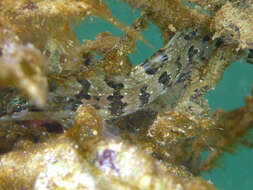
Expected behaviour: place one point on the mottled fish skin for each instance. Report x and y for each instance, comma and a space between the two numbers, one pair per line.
169, 67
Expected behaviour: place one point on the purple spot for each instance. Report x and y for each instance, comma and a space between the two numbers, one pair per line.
30, 6
106, 159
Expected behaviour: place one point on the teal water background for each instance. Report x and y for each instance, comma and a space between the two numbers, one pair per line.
235, 171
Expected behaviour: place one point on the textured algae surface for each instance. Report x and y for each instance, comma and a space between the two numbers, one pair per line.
65, 121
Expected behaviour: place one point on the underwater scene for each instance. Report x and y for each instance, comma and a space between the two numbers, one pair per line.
126, 94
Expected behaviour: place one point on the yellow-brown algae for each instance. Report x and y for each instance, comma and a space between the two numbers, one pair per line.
163, 152
22, 66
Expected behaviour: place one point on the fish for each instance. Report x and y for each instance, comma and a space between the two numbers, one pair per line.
167, 70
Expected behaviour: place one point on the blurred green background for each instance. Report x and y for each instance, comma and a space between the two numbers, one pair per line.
235, 169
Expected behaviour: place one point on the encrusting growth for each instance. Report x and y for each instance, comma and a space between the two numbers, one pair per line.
71, 120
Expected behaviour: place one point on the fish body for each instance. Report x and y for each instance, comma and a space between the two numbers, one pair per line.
168, 69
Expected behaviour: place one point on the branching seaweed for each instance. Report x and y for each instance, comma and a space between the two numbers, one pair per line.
51, 138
